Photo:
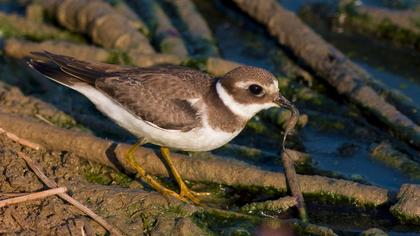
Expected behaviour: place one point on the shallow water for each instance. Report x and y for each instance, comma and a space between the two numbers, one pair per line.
397, 68
359, 166
244, 41
247, 43
295, 5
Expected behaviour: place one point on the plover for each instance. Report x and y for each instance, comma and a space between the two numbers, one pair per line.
169, 106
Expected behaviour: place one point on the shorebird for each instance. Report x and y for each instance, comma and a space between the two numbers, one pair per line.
169, 106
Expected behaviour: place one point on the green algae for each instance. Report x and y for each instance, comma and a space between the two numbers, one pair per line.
62, 120
336, 199
309, 95
271, 206
280, 117
205, 47
196, 62
121, 179
405, 217
98, 176
168, 45
224, 223
14, 26
326, 123
381, 28
257, 126
119, 57
106, 176
395, 159
388, 30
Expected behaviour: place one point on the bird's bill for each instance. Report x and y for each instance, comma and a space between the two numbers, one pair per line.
283, 102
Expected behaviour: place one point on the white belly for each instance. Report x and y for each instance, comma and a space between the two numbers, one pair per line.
199, 139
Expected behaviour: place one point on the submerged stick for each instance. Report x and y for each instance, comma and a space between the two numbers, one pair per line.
32, 196
294, 117
289, 168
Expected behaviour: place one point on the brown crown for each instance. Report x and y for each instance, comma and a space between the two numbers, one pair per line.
237, 83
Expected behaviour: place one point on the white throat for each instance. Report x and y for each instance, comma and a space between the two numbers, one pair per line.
245, 111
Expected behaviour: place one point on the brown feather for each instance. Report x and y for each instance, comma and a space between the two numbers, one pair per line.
160, 95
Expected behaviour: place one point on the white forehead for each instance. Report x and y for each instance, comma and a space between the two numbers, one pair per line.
273, 88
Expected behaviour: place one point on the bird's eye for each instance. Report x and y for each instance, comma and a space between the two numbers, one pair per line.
255, 89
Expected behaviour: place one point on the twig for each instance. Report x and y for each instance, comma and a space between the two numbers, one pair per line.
293, 183
21, 140
50, 183
44, 119
289, 167
82, 228
32, 196
10, 195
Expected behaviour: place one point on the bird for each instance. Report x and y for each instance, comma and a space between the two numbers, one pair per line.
170, 106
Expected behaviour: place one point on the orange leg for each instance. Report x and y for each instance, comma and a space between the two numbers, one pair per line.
147, 178
184, 190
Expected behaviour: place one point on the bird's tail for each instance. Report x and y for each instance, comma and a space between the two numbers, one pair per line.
67, 70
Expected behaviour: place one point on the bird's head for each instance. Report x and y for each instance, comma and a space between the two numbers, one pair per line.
246, 90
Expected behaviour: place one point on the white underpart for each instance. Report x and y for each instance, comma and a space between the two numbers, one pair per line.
198, 139
246, 111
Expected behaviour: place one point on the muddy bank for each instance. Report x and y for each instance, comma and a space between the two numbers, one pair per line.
133, 211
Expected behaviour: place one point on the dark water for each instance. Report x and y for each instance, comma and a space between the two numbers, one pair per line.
240, 39
247, 42
295, 5
397, 68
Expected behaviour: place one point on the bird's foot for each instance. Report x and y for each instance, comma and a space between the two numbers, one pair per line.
190, 194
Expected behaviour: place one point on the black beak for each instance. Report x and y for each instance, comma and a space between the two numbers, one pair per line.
283, 102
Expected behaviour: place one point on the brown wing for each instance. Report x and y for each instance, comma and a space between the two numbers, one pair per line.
160, 98
160, 95
68, 70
